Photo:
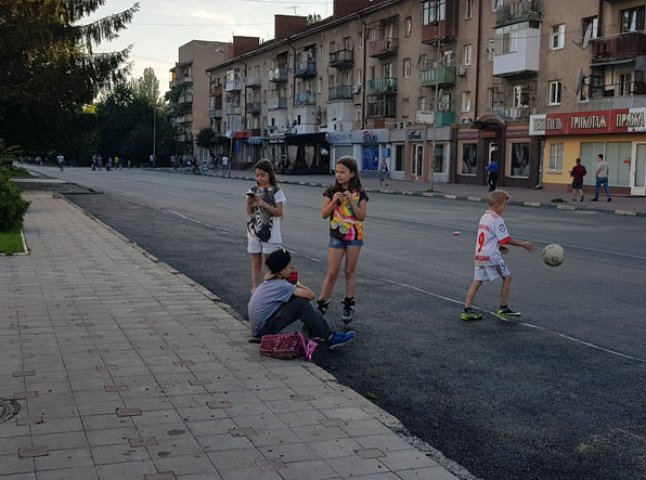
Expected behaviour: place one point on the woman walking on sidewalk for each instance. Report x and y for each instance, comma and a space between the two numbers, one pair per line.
345, 205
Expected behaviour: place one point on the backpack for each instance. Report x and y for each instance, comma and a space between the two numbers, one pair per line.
287, 346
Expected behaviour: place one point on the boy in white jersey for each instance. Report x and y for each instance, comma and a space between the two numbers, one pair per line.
491, 244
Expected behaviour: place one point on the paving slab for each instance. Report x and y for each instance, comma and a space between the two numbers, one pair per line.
125, 370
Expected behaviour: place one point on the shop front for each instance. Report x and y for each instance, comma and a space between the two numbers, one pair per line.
619, 135
340, 145
371, 146
307, 153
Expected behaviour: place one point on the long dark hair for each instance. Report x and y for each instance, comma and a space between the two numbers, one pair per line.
267, 166
351, 164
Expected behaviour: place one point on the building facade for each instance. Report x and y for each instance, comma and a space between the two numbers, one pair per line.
439, 88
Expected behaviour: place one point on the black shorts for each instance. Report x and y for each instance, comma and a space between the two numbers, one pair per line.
577, 185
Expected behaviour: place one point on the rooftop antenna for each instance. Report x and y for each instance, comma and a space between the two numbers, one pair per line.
294, 7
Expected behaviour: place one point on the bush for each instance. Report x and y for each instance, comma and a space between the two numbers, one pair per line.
12, 206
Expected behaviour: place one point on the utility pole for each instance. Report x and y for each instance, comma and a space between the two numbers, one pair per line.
154, 132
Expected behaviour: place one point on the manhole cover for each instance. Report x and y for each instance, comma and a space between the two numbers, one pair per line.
8, 409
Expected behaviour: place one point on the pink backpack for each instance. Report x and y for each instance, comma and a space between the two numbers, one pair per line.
287, 346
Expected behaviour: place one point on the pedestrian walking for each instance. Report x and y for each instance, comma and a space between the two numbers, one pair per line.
601, 178
492, 179
265, 205
226, 167
60, 159
281, 300
345, 206
491, 245
577, 173
384, 174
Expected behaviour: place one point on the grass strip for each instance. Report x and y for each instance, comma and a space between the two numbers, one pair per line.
10, 243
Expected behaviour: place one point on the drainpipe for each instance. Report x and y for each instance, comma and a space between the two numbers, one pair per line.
478, 45
365, 74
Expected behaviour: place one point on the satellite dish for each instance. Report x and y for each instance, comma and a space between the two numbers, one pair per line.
579, 82
587, 36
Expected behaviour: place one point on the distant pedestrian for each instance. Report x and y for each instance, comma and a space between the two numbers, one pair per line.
99, 162
265, 206
151, 160
491, 245
492, 179
384, 174
60, 159
577, 173
117, 162
226, 167
108, 167
345, 206
281, 300
601, 178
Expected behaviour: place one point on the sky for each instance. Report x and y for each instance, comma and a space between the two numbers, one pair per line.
162, 26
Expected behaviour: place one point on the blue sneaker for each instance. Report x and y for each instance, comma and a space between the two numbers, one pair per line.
338, 339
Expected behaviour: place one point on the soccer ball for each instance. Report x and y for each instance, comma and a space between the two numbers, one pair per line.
553, 255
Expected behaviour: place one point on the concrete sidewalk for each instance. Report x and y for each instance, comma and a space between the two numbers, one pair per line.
117, 367
539, 198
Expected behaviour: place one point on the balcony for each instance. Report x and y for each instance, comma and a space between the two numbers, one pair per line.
443, 76
253, 82
521, 112
519, 11
340, 92
232, 110
215, 112
186, 98
305, 69
215, 89
383, 48
307, 98
383, 85
625, 46
444, 119
381, 109
181, 81
253, 108
182, 119
277, 103
342, 58
518, 58
615, 96
278, 75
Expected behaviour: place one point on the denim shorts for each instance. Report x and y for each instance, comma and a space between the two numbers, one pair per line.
336, 243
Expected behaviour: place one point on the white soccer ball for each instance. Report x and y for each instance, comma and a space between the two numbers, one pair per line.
553, 255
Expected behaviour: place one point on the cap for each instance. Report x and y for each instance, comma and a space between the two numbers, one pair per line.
278, 260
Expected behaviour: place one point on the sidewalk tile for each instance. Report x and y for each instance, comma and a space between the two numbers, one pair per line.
80, 473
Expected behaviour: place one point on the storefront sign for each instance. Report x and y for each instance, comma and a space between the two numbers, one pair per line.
416, 135
255, 140
339, 137
586, 123
379, 135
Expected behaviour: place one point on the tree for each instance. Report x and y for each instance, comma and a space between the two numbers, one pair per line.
206, 139
49, 70
146, 88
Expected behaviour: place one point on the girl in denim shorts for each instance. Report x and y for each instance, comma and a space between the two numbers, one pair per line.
345, 205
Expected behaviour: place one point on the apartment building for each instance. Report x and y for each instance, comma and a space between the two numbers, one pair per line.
439, 88
189, 90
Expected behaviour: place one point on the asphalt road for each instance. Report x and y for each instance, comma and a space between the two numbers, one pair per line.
558, 395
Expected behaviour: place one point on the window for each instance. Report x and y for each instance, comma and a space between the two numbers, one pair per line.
491, 49
584, 92
519, 160
405, 107
421, 104
556, 158
359, 77
507, 39
590, 29
632, 19
625, 83
558, 37
469, 159
466, 101
521, 96
422, 62
468, 54
433, 11
469, 9
496, 4
409, 26
407, 68
360, 39
320, 85
554, 93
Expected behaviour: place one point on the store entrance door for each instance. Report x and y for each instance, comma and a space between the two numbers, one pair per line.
638, 170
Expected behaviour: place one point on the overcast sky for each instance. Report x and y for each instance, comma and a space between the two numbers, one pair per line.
162, 26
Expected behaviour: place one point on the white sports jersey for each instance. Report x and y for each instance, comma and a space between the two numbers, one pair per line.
492, 232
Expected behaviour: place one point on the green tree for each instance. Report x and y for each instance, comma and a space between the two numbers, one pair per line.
146, 88
49, 69
206, 139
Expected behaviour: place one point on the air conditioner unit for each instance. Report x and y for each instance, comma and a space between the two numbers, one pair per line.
462, 70
356, 89
465, 121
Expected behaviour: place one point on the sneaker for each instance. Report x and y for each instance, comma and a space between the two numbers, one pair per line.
581, 199
470, 315
594, 200
508, 313
338, 339
348, 309
322, 305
